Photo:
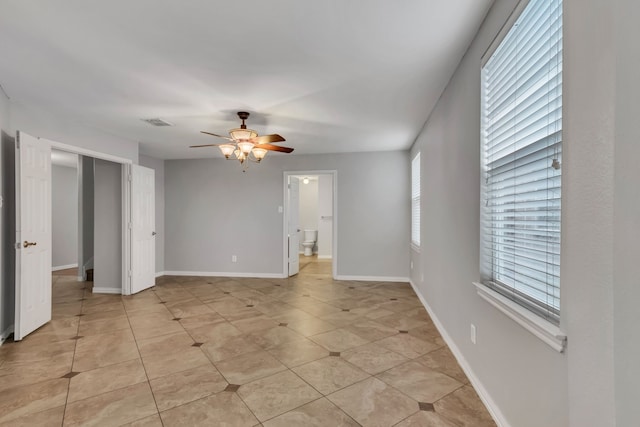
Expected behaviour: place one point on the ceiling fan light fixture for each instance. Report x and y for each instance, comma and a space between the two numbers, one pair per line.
227, 150
259, 153
246, 147
240, 134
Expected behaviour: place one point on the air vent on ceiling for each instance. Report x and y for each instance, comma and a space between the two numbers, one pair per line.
157, 122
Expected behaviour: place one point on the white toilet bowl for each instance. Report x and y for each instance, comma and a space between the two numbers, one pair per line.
309, 241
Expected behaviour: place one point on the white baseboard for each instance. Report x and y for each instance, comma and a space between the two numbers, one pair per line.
115, 291
325, 257
63, 267
161, 273
486, 398
5, 334
80, 278
225, 274
373, 278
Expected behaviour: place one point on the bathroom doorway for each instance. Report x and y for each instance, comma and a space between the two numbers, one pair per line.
310, 219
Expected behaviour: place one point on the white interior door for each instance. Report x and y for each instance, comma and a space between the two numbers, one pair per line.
143, 224
294, 225
33, 234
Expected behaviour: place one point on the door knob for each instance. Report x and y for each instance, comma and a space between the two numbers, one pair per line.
27, 244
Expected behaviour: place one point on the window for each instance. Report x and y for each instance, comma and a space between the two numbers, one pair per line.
415, 201
521, 157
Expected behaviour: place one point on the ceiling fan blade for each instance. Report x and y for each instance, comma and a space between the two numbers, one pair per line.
265, 139
275, 148
219, 136
205, 145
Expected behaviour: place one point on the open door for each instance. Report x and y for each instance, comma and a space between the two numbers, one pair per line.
143, 224
33, 234
294, 225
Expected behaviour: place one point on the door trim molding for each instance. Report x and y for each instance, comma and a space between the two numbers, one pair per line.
285, 218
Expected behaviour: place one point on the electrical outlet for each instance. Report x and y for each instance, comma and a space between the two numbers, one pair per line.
234, 258
473, 333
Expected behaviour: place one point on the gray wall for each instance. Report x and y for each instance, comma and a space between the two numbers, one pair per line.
158, 166
108, 226
214, 211
64, 216
7, 218
594, 383
88, 220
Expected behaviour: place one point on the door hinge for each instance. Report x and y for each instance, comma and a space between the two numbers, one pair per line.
18, 140
18, 245
130, 273
129, 177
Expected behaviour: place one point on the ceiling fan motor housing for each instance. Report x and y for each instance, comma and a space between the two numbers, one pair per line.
243, 116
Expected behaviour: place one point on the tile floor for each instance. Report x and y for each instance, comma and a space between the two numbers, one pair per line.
306, 351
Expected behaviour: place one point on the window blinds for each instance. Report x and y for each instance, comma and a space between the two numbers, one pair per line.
522, 136
415, 200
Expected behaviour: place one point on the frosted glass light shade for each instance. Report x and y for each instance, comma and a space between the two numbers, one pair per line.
259, 153
246, 147
240, 134
227, 149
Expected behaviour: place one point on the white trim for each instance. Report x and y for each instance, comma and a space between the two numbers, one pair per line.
107, 291
504, 30
549, 333
325, 257
160, 273
88, 153
5, 334
81, 278
484, 395
127, 241
373, 278
225, 274
63, 267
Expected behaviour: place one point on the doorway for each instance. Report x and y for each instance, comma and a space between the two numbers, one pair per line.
310, 220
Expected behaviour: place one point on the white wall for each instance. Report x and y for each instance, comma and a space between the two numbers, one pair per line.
213, 211
64, 216
107, 274
524, 378
325, 216
158, 166
308, 209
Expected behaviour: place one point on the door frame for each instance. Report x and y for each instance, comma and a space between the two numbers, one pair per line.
126, 205
285, 219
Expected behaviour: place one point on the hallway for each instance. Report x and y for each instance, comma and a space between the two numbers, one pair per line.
303, 351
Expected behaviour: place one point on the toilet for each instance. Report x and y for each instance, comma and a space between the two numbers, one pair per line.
309, 241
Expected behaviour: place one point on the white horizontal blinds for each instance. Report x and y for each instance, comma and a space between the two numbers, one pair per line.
522, 132
415, 200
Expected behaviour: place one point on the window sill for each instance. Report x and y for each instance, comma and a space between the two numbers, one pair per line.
547, 332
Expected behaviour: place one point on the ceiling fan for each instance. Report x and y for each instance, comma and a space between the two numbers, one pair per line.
245, 144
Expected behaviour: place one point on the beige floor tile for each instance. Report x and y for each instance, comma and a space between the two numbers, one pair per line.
96, 327
165, 344
370, 330
188, 308
216, 332
21, 401
399, 321
113, 408
273, 337
373, 403
298, 352
373, 358
49, 418
308, 326
464, 408
253, 324
425, 419
442, 360
200, 320
151, 421
97, 381
407, 345
319, 413
249, 367
159, 365
186, 386
421, 383
20, 373
97, 351
105, 306
56, 330
223, 409
33, 351
338, 340
271, 396
229, 347
330, 374
157, 329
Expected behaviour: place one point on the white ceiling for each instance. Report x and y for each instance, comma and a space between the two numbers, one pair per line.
330, 75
